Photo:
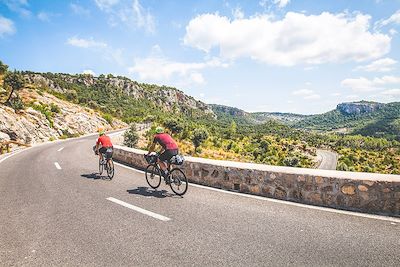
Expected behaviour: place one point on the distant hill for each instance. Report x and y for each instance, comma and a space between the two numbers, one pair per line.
365, 118
241, 116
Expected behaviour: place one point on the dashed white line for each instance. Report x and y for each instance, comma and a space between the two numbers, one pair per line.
60, 149
138, 209
57, 165
344, 212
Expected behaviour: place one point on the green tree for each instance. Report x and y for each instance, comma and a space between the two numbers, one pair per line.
131, 137
199, 136
14, 81
173, 125
3, 68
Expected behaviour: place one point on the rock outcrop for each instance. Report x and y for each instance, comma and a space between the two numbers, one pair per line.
31, 126
355, 108
167, 97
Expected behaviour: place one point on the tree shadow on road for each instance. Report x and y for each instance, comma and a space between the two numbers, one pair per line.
94, 176
147, 192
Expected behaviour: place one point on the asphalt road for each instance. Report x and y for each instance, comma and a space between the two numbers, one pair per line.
59, 217
328, 159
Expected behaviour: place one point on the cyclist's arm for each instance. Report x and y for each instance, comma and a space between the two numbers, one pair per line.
152, 147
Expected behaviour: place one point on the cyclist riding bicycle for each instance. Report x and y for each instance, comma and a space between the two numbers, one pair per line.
106, 145
169, 148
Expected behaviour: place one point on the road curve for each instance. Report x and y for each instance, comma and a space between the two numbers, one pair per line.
328, 159
52, 216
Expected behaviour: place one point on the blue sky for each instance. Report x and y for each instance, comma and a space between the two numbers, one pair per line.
302, 56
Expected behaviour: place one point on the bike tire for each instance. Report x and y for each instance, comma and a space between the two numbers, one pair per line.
101, 167
110, 169
178, 182
153, 176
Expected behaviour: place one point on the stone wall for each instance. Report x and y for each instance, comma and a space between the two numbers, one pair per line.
364, 192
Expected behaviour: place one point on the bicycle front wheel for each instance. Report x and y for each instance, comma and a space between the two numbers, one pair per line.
110, 169
179, 183
101, 167
153, 176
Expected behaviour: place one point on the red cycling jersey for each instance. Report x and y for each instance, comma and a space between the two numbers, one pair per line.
166, 141
105, 141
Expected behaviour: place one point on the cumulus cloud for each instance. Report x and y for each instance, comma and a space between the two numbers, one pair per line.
85, 43
363, 84
46, 16
157, 67
392, 92
6, 26
295, 39
281, 3
306, 94
128, 12
380, 65
109, 53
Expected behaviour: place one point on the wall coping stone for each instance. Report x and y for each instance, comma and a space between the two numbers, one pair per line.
364, 176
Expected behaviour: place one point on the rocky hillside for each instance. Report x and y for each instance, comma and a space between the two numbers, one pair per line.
84, 88
356, 108
365, 118
239, 115
46, 117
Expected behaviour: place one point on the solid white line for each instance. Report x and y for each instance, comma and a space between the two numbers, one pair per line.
60, 149
57, 165
344, 212
9, 156
143, 211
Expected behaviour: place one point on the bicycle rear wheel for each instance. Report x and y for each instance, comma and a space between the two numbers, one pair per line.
179, 183
153, 176
110, 169
101, 167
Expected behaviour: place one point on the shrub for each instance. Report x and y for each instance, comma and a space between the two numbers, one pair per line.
291, 161
199, 136
131, 137
54, 108
108, 118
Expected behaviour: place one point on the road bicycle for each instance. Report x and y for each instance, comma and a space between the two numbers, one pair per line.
176, 178
107, 164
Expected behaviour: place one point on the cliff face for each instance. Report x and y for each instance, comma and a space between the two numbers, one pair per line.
356, 108
32, 126
163, 96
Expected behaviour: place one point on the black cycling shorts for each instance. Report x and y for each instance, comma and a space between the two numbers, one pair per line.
108, 151
168, 154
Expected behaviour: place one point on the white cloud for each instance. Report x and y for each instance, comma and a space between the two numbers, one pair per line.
352, 97
129, 12
6, 26
302, 92
392, 92
238, 13
18, 6
380, 65
306, 94
336, 94
363, 84
157, 67
85, 43
46, 16
79, 10
395, 19
295, 39
91, 72
281, 3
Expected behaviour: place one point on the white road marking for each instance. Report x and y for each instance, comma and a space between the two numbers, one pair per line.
143, 211
344, 212
9, 156
57, 165
60, 149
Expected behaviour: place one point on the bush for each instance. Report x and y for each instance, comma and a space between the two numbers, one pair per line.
199, 136
291, 161
108, 118
54, 108
131, 137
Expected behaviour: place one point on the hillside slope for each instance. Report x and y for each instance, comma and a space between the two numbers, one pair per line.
47, 118
119, 96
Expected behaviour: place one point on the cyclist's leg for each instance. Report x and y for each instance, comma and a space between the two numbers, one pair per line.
102, 150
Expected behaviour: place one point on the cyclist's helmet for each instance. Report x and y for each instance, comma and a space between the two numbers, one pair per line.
101, 131
159, 130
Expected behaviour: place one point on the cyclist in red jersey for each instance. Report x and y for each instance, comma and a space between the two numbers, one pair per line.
169, 148
105, 142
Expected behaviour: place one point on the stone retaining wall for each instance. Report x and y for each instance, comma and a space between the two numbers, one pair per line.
364, 192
